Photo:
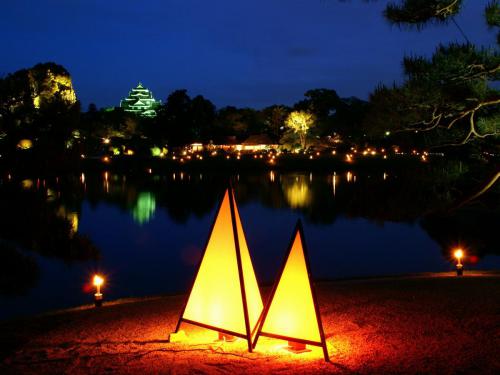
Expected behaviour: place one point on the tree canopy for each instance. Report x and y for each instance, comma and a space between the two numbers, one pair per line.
450, 97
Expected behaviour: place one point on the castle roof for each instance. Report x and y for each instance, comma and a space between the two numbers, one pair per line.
140, 100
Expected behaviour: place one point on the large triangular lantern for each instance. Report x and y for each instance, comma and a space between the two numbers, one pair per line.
225, 296
292, 312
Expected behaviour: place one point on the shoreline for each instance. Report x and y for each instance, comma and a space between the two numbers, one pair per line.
289, 163
378, 325
141, 299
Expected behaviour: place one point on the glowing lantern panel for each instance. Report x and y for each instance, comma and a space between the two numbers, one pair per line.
216, 299
292, 313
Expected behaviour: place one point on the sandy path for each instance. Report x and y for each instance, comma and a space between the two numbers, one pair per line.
431, 324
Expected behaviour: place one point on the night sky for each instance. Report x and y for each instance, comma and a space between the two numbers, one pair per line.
243, 53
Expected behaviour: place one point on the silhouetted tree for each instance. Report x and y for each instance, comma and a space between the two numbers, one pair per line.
201, 118
274, 117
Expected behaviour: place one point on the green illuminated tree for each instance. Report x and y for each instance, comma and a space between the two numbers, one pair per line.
299, 122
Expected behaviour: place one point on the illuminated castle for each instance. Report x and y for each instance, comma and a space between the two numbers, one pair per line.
140, 101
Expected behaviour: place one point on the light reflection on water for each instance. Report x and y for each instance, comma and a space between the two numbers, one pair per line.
297, 191
145, 208
150, 229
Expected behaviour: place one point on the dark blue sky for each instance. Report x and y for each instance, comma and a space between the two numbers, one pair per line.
243, 53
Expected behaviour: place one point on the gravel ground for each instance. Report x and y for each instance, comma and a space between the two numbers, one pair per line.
432, 324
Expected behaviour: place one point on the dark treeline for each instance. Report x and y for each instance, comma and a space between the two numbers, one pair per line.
38, 106
183, 119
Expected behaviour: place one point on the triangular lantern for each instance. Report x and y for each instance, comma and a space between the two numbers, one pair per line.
292, 312
225, 296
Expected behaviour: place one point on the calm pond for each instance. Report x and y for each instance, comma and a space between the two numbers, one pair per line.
149, 230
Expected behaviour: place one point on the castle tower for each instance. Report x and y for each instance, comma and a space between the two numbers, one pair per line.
140, 101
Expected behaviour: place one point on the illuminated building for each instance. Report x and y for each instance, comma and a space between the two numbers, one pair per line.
259, 142
140, 101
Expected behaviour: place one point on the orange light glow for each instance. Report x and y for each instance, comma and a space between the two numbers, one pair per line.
97, 280
216, 299
459, 254
292, 313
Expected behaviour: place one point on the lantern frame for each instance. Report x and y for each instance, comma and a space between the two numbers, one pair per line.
322, 343
249, 332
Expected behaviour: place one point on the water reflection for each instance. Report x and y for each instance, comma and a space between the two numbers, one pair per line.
50, 217
71, 217
106, 182
334, 184
39, 220
27, 184
297, 191
145, 208
20, 272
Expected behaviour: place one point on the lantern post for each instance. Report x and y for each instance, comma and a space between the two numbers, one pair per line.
98, 297
459, 254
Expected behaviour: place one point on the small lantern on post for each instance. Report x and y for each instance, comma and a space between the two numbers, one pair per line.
98, 297
459, 254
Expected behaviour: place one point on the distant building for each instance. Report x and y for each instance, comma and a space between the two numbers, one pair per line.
254, 143
141, 102
196, 147
228, 143
258, 142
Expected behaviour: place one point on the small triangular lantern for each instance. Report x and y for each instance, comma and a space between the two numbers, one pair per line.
225, 296
292, 312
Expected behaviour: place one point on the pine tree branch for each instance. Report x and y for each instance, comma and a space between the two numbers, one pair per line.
481, 191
